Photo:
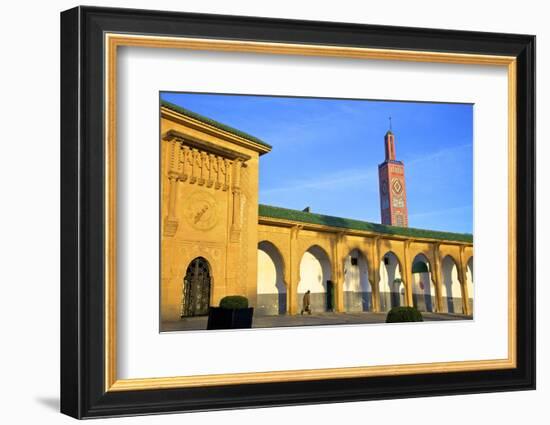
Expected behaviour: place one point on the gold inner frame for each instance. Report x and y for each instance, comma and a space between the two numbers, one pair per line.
113, 41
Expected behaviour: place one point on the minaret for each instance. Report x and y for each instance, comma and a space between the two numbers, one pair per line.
393, 193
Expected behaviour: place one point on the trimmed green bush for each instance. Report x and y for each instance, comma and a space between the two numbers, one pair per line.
233, 302
403, 314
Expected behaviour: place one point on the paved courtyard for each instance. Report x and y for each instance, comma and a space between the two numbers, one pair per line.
199, 323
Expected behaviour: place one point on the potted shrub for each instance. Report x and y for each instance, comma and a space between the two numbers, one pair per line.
403, 314
233, 313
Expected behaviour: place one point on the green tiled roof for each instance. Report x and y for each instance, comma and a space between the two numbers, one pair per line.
212, 122
347, 223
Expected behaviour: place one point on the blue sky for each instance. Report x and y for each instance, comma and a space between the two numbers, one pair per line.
326, 153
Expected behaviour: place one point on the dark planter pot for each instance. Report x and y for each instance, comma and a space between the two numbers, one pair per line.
223, 318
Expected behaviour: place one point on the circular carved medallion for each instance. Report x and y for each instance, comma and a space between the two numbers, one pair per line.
201, 211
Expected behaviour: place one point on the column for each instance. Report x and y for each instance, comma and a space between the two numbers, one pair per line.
287, 276
233, 278
171, 221
236, 191
292, 290
408, 275
437, 279
463, 283
374, 276
338, 273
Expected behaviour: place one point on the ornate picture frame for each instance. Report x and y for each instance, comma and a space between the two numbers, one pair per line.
90, 41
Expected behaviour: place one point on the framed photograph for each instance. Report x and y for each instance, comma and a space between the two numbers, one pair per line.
261, 212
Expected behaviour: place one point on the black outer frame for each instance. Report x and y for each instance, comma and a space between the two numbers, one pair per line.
82, 206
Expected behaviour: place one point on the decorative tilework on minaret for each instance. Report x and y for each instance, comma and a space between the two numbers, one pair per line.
393, 193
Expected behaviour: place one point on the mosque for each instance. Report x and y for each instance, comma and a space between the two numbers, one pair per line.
217, 240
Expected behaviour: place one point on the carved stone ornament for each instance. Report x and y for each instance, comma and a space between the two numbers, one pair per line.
201, 210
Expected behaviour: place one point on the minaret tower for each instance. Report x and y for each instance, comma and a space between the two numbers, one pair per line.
393, 193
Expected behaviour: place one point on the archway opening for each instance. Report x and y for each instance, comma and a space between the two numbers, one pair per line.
422, 283
451, 291
271, 288
315, 276
357, 289
196, 288
392, 289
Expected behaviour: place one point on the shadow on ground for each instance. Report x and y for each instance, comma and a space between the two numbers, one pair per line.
49, 402
317, 319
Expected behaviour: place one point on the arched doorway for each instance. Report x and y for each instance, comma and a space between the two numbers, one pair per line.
271, 295
315, 276
423, 286
357, 290
470, 283
451, 291
196, 288
392, 289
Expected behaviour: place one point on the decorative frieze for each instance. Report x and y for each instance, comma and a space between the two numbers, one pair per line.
201, 163
202, 168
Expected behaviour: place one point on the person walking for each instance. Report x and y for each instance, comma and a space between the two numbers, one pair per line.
306, 303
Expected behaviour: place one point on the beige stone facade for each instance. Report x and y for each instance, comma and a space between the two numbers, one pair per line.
209, 210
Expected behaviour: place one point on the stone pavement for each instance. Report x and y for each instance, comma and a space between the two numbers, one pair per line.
199, 323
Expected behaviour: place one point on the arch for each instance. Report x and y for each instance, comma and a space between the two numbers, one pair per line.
392, 288
315, 276
470, 282
451, 290
197, 284
271, 288
424, 296
357, 289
